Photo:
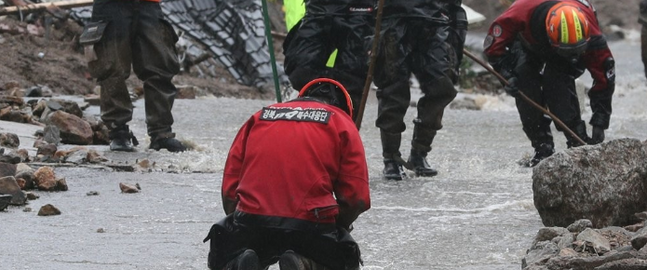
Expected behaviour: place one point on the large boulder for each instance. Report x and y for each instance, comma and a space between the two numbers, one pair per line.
603, 183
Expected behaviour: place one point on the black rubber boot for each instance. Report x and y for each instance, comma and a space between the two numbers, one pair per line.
579, 128
248, 261
122, 139
543, 151
168, 142
393, 170
393, 162
290, 260
418, 160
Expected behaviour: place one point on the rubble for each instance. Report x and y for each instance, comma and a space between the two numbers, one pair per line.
586, 248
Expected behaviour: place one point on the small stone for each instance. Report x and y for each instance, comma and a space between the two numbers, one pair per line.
125, 188
49, 210
32, 196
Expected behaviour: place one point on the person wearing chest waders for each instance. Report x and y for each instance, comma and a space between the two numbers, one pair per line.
125, 34
423, 38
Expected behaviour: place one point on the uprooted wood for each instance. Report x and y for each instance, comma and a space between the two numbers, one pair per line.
36, 7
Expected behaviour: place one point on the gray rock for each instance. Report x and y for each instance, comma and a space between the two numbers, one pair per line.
639, 240
540, 253
8, 185
548, 233
604, 183
579, 225
626, 264
5, 199
600, 244
52, 134
9, 140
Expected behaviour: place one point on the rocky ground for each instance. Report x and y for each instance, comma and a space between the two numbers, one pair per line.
34, 55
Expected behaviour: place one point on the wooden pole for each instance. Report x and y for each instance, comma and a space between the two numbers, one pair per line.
36, 7
371, 66
526, 98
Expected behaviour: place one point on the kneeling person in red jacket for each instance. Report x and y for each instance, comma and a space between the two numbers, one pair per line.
295, 180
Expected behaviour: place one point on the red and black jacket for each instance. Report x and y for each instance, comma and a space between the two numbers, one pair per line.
524, 21
297, 165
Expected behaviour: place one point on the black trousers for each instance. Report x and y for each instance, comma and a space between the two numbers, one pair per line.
414, 46
136, 35
550, 83
310, 43
335, 249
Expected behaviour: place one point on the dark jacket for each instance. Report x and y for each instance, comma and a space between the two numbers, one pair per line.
358, 7
433, 10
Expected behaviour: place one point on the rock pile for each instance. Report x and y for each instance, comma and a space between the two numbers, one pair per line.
592, 200
581, 247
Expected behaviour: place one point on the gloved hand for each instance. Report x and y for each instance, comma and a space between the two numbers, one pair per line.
512, 88
597, 136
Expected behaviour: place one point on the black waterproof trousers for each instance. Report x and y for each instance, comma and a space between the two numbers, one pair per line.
329, 246
135, 35
551, 84
413, 46
310, 43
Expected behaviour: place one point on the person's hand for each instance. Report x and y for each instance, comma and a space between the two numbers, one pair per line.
512, 88
598, 135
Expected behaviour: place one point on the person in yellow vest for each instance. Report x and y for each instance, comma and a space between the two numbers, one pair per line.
294, 11
345, 25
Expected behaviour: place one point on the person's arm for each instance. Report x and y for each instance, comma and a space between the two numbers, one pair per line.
600, 63
233, 168
351, 188
502, 34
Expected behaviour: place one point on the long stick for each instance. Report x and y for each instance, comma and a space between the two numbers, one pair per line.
35, 7
526, 98
371, 66
270, 44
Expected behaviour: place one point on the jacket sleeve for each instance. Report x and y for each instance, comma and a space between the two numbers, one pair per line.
600, 63
351, 188
233, 167
501, 35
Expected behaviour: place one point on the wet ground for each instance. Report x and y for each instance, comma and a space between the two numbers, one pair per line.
477, 213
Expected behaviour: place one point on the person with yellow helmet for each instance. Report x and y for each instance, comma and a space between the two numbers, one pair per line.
541, 47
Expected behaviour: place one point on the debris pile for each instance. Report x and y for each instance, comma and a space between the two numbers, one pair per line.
581, 247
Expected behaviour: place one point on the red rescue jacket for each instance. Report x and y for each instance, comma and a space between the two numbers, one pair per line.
517, 23
299, 160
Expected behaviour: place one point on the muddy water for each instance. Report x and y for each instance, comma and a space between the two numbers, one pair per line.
477, 213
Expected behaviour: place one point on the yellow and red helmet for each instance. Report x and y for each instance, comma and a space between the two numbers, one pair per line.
568, 30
